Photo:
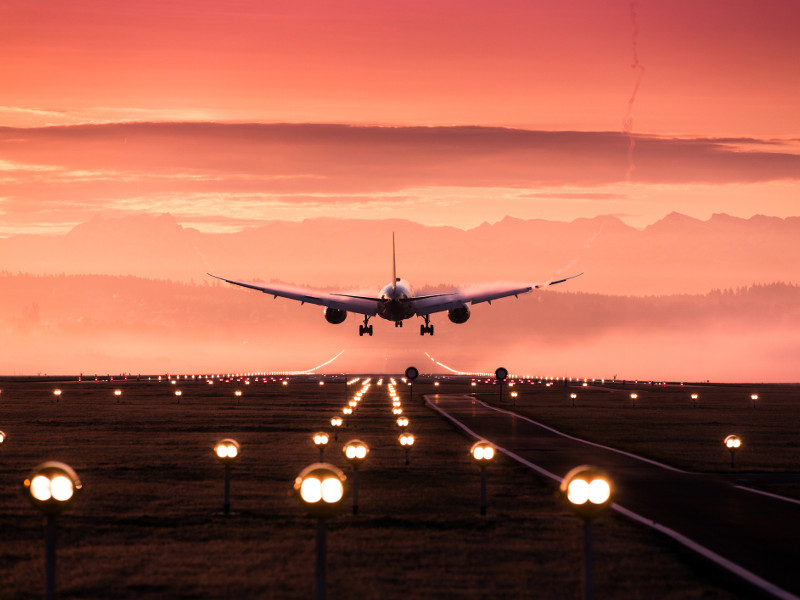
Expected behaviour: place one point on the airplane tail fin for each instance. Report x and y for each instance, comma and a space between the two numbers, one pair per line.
394, 265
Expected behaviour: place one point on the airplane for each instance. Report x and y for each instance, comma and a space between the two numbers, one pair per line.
395, 302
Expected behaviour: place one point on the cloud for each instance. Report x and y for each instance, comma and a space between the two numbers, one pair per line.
256, 171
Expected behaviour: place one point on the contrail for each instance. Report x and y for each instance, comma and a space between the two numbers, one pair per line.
627, 124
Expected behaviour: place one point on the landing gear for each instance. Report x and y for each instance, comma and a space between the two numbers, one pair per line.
365, 328
398, 323
427, 328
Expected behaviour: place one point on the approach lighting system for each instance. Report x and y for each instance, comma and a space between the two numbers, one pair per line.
587, 491
51, 487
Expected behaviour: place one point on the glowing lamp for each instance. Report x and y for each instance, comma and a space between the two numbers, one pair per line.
587, 491
733, 442
355, 451
51, 487
227, 451
320, 489
482, 452
2, 438
406, 440
402, 422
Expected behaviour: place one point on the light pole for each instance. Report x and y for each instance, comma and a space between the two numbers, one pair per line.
694, 400
733, 443
406, 441
227, 451
587, 491
634, 397
57, 394
321, 440
355, 451
51, 488
482, 453
754, 398
336, 423
573, 395
320, 489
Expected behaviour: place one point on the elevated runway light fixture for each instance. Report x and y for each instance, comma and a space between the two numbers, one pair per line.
355, 451
336, 423
482, 453
573, 395
118, 393
57, 394
347, 411
754, 398
320, 489
587, 491
2, 438
694, 400
227, 451
321, 440
397, 411
733, 443
634, 397
406, 441
178, 395
51, 487
402, 423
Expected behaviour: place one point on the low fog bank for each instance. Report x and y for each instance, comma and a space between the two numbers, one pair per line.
103, 324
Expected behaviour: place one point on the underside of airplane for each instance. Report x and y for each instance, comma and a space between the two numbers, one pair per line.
396, 302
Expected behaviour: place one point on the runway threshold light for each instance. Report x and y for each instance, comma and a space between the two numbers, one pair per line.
336, 424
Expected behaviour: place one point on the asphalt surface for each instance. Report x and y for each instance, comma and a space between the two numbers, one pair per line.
755, 536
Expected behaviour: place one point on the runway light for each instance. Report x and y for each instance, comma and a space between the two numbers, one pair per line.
406, 441
587, 491
52, 487
482, 453
321, 440
355, 451
2, 438
733, 443
57, 394
227, 451
320, 489
754, 398
402, 422
634, 397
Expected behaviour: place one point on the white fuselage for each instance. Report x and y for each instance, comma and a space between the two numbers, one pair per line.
396, 305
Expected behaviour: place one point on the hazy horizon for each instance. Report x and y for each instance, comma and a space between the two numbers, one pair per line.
636, 141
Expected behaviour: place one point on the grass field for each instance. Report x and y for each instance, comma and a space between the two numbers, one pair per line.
149, 521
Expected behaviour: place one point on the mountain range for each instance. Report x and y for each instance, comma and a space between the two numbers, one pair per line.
676, 255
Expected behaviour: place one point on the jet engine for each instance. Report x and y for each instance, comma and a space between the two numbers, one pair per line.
459, 315
334, 315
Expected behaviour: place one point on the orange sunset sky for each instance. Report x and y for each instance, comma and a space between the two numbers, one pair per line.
231, 115
701, 101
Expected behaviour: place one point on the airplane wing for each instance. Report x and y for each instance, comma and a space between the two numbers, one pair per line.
426, 305
351, 303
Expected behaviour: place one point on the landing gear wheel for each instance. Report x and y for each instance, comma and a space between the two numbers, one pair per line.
423, 329
362, 329
398, 323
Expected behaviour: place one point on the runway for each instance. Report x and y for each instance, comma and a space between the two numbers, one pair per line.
750, 534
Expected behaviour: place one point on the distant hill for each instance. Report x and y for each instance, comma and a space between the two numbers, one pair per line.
677, 254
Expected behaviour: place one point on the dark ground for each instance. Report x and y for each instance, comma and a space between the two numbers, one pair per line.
148, 523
